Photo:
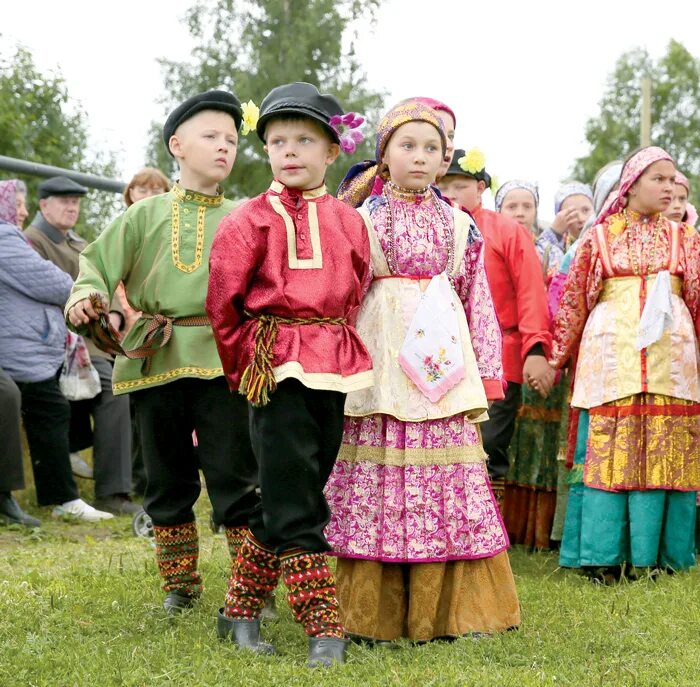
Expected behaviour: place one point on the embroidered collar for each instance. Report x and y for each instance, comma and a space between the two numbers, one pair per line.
282, 190
184, 195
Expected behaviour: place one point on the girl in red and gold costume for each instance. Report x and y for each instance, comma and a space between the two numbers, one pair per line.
632, 302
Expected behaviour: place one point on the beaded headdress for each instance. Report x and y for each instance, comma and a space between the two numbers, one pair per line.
359, 183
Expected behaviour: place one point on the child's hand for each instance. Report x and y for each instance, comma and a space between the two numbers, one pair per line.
82, 312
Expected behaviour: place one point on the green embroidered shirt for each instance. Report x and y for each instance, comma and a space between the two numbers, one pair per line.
160, 249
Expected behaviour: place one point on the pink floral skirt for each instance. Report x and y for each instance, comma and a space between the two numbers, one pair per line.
412, 492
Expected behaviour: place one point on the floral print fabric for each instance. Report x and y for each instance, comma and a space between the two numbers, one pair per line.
419, 491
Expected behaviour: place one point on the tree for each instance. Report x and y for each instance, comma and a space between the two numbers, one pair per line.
40, 122
675, 112
250, 47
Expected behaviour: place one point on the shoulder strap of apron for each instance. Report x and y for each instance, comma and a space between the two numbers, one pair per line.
379, 264
462, 225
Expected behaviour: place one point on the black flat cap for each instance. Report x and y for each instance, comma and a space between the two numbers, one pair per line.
60, 186
457, 170
211, 100
299, 98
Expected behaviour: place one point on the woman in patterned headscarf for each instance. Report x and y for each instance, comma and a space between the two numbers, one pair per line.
519, 200
573, 205
632, 302
421, 547
13, 202
529, 499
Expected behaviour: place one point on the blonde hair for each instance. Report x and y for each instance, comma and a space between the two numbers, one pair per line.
148, 176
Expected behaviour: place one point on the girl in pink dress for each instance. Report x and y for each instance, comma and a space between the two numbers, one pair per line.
420, 543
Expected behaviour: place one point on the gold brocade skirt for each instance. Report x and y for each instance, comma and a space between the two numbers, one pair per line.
424, 601
645, 441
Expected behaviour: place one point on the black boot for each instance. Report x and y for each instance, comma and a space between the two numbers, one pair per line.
245, 634
325, 651
176, 602
12, 514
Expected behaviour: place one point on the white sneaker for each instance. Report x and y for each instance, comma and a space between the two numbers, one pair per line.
79, 510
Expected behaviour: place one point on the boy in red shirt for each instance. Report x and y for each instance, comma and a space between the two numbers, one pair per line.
287, 273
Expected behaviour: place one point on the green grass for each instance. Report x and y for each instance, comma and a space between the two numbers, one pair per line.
81, 605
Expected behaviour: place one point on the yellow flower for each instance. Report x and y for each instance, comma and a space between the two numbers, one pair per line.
473, 161
251, 113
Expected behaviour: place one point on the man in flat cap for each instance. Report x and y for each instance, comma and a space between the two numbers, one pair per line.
52, 236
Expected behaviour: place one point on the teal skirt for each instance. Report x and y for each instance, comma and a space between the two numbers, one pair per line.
641, 528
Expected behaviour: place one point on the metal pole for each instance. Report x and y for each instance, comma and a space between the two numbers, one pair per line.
35, 169
645, 124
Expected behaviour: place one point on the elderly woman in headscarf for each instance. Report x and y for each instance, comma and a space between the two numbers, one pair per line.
13, 210
32, 344
421, 547
631, 304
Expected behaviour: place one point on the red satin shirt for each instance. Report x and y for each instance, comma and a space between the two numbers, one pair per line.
294, 254
517, 287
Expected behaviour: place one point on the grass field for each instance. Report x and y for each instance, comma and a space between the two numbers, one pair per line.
81, 605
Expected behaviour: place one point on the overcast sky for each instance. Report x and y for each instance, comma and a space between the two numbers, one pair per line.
522, 77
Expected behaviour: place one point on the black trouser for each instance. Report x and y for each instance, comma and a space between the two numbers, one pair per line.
138, 471
110, 437
498, 431
11, 470
296, 438
166, 416
46, 415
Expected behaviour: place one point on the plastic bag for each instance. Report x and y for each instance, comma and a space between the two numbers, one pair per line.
79, 380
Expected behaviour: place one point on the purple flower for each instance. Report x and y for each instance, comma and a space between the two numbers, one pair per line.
346, 127
347, 145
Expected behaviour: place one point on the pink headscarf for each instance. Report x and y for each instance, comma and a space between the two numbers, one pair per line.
682, 179
8, 201
435, 105
633, 169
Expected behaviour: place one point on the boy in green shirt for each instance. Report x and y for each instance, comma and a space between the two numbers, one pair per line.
159, 248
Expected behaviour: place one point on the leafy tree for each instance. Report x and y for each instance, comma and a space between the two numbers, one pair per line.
250, 47
675, 111
40, 122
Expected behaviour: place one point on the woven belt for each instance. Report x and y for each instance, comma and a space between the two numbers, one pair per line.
258, 379
158, 332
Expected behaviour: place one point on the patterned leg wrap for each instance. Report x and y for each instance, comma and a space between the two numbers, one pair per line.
311, 593
234, 538
177, 551
253, 580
